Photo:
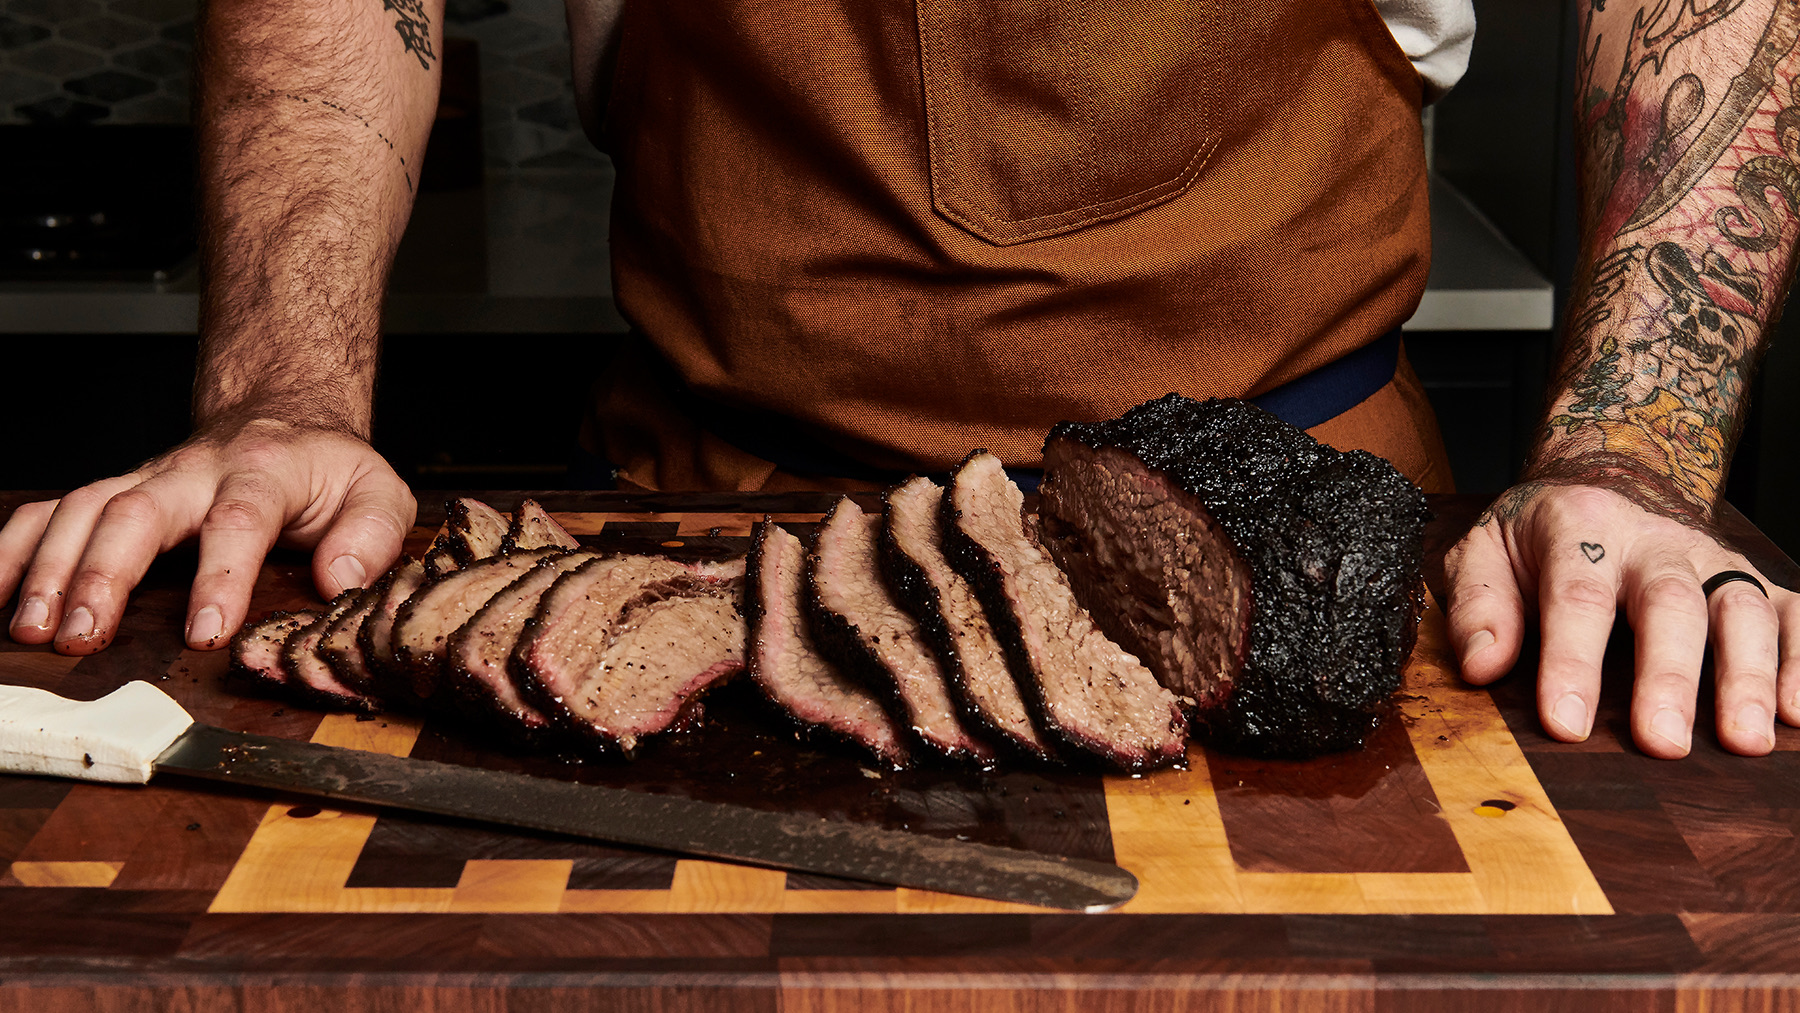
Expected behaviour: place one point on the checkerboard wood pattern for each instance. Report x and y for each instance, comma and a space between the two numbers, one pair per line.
1461, 842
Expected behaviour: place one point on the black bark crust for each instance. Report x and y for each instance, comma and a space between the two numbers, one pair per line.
919, 597
1335, 546
840, 641
754, 613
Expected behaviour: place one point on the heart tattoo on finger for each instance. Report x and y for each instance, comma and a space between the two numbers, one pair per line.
1593, 551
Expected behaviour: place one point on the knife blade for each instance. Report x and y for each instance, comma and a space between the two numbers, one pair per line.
137, 731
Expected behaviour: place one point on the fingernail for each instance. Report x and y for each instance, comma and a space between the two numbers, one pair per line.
1669, 725
78, 623
33, 612
1753, 719
348, 572
206, 627
1572, 714
1476, 643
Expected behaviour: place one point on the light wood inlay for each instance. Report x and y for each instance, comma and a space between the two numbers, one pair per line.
93, 874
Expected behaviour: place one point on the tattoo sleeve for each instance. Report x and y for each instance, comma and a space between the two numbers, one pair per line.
1688, 127
311, 121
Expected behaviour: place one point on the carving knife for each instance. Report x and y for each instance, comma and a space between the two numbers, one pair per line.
138, 730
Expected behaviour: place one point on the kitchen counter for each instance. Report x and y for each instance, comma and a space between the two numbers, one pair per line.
527, 253
1463, 857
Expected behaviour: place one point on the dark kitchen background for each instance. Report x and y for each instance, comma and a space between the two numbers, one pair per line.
500, 312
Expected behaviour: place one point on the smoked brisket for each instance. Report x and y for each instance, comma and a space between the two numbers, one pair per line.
480, 651
949, 616
257, 649
1085, 691
423, 626
785, 663
310, 676
857, 623
1270, 578
533, 528
623, 647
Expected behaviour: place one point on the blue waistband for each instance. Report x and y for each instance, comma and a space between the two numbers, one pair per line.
1321, 395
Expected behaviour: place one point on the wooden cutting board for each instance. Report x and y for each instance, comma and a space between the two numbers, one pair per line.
1442, 813
186, 895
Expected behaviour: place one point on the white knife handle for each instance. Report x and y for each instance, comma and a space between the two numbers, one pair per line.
115, 738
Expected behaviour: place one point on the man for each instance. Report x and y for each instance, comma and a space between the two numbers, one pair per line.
865, 237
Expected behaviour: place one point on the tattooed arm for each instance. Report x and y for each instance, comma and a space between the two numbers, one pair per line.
312, 122
1689, 121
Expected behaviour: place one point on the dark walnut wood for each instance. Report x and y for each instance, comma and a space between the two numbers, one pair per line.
129, 898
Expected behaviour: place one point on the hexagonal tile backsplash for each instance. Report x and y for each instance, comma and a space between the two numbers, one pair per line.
129, 61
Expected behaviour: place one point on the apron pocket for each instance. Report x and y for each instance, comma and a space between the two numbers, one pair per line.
1044, 116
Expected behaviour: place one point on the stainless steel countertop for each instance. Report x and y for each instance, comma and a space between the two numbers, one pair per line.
527, 253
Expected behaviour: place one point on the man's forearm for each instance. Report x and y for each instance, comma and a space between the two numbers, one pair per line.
1688, 125
313, 119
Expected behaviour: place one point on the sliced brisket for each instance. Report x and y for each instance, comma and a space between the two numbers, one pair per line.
341, 647
857, 623
622, 647
1271, 578
1084, 689
951, 619
533, 528
787, 666
387, 678
476, 665
256, 651
310, 676
423, 626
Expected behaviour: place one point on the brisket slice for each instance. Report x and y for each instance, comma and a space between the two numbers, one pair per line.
341, 647
952, 621
476, 664
786, 665
857, 623
1085, 691
534, 528
1271, 578
472, 530
310, 677
256, 650
387, 678
622, 647
423, 626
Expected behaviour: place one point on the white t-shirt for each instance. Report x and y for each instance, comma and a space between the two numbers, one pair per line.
1435, 35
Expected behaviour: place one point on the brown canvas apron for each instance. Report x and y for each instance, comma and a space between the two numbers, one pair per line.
901, 229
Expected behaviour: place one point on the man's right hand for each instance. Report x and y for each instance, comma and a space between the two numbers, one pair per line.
75, 560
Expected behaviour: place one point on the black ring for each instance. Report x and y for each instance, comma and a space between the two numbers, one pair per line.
1720, 579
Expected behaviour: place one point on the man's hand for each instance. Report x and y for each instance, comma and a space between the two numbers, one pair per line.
75, 560
1571, 555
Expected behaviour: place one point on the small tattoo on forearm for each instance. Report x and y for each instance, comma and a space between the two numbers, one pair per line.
414, 28
325, 103
1593, 551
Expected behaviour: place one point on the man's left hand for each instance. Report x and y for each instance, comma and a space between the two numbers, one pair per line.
1573, 555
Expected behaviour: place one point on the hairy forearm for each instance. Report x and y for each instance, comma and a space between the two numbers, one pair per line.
312, 119
1687, 125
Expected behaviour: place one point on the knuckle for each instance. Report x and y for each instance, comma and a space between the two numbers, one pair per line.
1582, 595
134, 506
90, 580
233, 514
88, 498
1672, 593
1740, 596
